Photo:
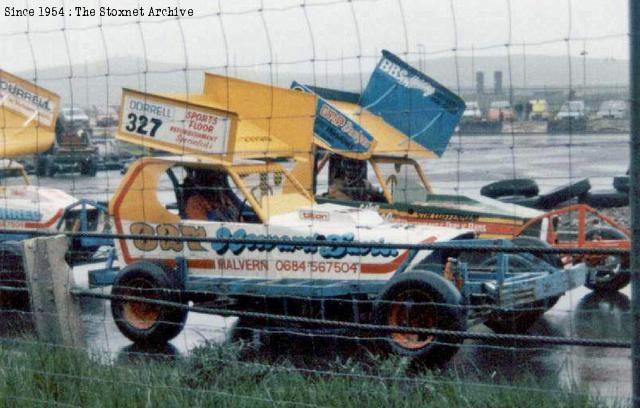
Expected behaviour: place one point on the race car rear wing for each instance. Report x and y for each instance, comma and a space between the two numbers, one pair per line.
28, 115
232, 119
401, 112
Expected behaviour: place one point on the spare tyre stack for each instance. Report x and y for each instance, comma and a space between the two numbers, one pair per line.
511, 188
559, 195
618, 197
525, 192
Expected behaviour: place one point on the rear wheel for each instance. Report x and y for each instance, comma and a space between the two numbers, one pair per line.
612, 271
421, 299
552, 259
145, 322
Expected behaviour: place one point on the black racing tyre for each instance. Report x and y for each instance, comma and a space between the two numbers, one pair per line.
606, 199
12, 275
552, 259
564, 193
512, 187
89, 167
524, 316
612, 272
438, 306
621, 184
147, 323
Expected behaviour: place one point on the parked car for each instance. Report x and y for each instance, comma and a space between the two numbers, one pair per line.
571, 109
571, 118
472, 111
72, 150
613, 109
499, 111
106, 117
72, 117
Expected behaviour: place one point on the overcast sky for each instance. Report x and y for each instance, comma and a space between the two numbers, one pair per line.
335, 29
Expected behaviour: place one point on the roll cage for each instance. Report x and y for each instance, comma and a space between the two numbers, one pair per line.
386, 181
256, 203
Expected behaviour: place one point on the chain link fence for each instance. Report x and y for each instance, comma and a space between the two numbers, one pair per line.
480, 256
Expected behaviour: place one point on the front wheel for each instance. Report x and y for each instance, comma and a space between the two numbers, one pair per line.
611, 271
421, 299
146, 322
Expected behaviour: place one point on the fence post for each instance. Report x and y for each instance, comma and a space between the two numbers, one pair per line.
634, 175
55, 311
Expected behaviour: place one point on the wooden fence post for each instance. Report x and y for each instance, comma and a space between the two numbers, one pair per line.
55, 310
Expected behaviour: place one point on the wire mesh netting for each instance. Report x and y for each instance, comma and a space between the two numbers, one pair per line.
315, 202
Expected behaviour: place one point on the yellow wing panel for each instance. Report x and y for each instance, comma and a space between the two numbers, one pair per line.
251, 121
28, 115
18, 139
255, 137
389, 140
282, 114
176, 125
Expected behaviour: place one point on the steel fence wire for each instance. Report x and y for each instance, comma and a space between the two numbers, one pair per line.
134, 313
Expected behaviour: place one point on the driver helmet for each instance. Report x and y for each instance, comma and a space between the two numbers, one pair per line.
210, 181
354, 171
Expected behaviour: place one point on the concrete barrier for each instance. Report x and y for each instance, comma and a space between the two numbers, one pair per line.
56, 312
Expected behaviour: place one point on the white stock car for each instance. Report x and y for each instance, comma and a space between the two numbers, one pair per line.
390, 286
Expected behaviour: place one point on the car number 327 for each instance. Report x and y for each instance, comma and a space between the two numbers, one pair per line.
139, 124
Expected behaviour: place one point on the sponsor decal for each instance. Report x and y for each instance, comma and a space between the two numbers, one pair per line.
167, 230
175, 123
313, 215
370, 206
356, 137
402, 76
335, 128
314, 242
313, 247
10, 88
18, 98
19, 214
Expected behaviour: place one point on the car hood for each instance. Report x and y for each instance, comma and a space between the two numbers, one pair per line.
364, 223
32, 206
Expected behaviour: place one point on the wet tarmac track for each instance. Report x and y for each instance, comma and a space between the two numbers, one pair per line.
470, 163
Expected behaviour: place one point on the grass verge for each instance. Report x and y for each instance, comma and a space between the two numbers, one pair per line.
218, 376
